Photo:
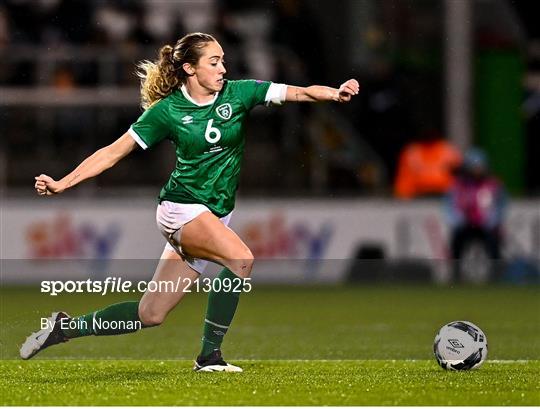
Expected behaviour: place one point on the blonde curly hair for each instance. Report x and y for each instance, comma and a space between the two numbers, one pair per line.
161, 77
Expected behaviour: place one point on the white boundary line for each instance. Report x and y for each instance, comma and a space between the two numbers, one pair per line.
82, 358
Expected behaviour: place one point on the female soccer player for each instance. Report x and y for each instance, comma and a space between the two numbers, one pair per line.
187, 100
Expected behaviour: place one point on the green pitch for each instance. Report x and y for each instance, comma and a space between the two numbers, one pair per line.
298, 346
267, 383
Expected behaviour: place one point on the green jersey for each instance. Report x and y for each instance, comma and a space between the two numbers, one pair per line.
209, 142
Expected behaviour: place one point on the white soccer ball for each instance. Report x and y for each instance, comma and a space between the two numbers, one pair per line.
460, 345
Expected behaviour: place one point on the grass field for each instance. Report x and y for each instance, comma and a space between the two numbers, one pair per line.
298, 346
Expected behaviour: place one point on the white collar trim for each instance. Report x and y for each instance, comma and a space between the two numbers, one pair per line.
188, 97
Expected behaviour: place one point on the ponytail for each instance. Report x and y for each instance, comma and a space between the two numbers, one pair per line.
158, 79
162, 77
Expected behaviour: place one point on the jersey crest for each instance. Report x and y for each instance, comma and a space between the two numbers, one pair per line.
224, 111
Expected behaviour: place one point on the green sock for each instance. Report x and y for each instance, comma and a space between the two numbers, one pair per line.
121, 318
219, 314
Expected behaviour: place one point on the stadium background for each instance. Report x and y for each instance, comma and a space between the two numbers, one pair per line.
317, 181
316, 202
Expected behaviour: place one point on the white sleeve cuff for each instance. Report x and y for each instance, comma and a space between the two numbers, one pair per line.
276, 94
137, 138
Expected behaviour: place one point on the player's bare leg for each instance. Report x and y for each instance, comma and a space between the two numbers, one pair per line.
208, 238
155, 305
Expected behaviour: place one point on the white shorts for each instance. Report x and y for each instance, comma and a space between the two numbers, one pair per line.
171, 218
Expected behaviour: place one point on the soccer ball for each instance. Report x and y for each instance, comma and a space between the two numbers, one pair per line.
459, 346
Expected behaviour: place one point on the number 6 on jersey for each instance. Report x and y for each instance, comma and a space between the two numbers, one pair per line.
212, 130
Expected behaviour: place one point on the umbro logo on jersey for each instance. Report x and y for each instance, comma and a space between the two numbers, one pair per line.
187, 119
224, 111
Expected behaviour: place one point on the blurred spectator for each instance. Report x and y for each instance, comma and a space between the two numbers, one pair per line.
343, 158
63, 79
65, 119
116, 22
426, 167
475, 208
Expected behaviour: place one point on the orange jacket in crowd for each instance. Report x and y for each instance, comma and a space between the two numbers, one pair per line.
426, 168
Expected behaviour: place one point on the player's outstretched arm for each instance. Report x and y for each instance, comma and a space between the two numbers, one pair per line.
95, 164
317, 93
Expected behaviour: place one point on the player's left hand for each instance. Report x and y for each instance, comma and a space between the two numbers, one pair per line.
347, 90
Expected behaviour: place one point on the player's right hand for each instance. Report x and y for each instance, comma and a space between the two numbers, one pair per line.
46, 185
